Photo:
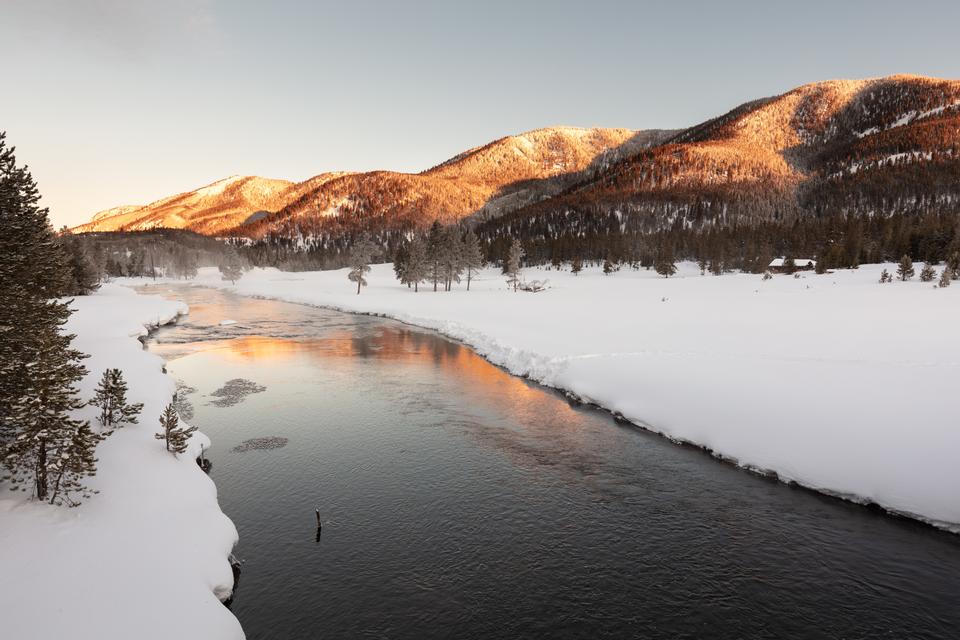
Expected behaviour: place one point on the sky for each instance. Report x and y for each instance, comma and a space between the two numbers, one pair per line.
114, 102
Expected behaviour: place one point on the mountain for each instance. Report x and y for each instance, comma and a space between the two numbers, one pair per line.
487, 181
839, 148
223, 204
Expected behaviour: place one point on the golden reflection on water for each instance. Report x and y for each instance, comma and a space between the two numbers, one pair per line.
543, 429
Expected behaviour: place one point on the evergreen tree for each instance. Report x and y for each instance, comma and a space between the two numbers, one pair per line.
400, 263
512, 263
38, 368
111, 398
927, 273
945, 277
452, 262
361, 254
716, 266
434, 253
415, 269
607, 267
231, 266
576, 266
470, 255
885, 277
83, 276
77, 462
175, 436
905, 268
953, 263
789, 266
702, 263
665, 264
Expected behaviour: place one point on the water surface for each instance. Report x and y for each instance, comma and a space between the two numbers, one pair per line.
461, 502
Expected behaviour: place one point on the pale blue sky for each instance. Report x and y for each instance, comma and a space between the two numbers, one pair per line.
124, 101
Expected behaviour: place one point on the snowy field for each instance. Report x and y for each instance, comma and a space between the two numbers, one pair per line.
831, 381
146, 557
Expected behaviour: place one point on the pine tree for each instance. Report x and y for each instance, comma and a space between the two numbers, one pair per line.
945, 277
231, 266
885, 277
471, 256
664, 264
905, 268
416, 264
576, 266
111, 397
83, 276
953, 263
512, 263
927, 273
434, 253
452, 261
607, 267
361, 255
702, 263
175, 436
77, 462
38, 368
789, 266
400, 263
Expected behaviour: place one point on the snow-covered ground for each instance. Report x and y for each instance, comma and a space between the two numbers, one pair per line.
832, 381
147, 556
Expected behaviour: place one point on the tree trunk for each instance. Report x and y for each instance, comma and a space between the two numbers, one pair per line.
41, 470
359, 282
468, 279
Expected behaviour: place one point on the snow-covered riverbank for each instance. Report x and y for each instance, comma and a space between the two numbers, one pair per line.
832, 381
147, 556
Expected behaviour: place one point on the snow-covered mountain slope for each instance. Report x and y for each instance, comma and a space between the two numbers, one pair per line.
487, 181
882, 145
492, 179
216, 206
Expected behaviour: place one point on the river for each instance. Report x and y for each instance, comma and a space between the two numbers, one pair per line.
459, 501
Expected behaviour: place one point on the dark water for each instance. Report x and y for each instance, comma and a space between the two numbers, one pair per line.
460, 502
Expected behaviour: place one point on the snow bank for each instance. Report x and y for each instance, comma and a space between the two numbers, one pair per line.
147, 556
831, 381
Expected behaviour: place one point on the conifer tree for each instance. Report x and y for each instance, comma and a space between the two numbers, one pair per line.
451, 261
471, 256
361, 255
415, 269
512, 263
400, 263
702, 263
38, 368
927, 273
953, 264
111, 398
664, 264
905, 269
885, 277
77, 462
576, 266
82, 274
945, 277
434, 263
175, 436
607, 267
231, 266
